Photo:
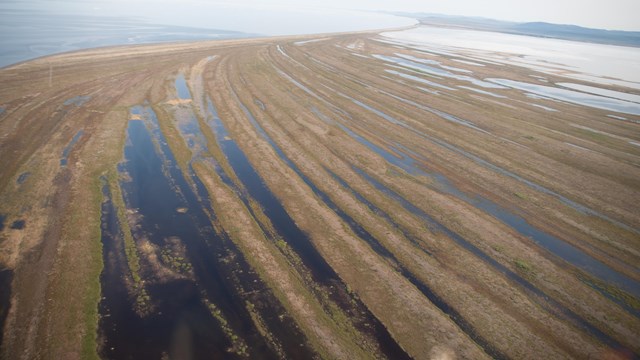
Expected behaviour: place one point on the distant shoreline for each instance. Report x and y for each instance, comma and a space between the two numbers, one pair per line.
28, 36
250, 39
537, 29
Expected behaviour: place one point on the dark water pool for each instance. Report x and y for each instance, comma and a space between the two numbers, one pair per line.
18, 224
293, 235
69, 147
23, 177
179, 322
6, 277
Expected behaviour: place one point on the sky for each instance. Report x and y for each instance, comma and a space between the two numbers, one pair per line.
610, 14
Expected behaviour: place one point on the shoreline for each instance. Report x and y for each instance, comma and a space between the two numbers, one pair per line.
250, 38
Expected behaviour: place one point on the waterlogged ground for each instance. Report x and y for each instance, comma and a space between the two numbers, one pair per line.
353, 196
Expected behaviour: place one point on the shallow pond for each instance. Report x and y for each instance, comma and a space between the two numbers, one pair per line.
67, 149
179, 318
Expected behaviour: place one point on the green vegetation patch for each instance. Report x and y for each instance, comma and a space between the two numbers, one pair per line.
175, 262
93, 291
239, 345
521, 196
523, 266
142, 298
593, 135
131, 251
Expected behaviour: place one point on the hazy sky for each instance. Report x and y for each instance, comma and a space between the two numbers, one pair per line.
618, 14
610, 14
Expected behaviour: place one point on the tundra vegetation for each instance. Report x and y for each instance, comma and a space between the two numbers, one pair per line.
334, 197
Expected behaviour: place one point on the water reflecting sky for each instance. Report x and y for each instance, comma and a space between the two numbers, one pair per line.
576, 59
34, 28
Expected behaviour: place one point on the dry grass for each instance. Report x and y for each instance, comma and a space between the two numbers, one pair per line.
57, 257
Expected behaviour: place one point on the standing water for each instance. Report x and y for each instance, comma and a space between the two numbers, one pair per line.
200, 312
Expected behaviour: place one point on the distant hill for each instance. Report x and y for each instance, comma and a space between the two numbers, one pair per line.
573, 32
541, 29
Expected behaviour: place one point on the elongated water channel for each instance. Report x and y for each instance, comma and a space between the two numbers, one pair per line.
562, 249
435, 299
554, 245
376, 246
538, 295
289, 338
201, 311
69, 147
572, 204
291, 233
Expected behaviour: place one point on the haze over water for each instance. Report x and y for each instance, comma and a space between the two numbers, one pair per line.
32, 29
